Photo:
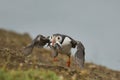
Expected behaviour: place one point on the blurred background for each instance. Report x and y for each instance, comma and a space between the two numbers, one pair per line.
96, 23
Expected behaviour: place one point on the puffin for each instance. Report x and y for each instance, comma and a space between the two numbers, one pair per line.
59, 43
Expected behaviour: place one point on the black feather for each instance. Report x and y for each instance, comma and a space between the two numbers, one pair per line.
80, 54
39, 41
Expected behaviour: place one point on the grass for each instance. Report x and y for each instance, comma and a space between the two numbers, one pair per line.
31, 74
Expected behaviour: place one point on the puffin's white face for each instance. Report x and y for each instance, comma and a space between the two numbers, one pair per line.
55, 40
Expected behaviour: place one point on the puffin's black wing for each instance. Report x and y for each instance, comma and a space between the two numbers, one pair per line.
39, 41
80, 54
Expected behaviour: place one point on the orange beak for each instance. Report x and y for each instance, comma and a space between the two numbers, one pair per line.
53, 41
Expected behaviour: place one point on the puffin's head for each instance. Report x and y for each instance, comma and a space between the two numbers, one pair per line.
56, 40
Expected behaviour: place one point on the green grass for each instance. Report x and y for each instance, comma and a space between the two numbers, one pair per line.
32, 74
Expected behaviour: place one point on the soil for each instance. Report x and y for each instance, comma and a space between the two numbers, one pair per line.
11, 57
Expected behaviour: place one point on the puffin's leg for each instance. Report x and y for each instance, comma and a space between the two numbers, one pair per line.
55, 59
69, 61
55, 56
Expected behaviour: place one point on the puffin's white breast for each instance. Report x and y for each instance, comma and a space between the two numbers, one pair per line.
66, 45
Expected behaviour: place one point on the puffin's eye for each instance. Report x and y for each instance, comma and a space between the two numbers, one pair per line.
59, 38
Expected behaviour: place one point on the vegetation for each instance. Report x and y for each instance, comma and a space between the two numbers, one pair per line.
39, 65
28, 75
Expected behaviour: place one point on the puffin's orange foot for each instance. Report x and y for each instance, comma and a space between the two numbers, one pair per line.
68, 64
55, 59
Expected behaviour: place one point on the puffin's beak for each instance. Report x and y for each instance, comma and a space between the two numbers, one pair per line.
53, 42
